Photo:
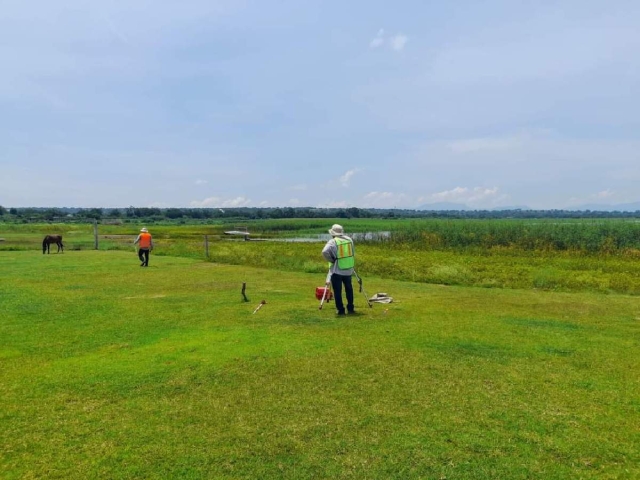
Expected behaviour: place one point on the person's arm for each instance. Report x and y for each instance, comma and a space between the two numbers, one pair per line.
330, 252
136, 240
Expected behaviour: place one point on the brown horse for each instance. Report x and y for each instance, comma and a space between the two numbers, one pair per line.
48, 240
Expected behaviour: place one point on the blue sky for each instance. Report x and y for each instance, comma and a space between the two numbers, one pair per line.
216, 103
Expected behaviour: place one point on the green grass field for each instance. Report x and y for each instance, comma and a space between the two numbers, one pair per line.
573, 270
109, 370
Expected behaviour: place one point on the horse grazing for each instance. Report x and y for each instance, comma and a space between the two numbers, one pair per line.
48, 240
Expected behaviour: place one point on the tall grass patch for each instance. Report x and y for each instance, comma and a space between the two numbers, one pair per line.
592, 236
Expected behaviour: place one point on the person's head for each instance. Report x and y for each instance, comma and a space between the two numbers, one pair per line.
336, 230
144, 230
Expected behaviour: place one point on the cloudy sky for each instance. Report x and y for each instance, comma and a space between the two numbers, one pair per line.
366, 103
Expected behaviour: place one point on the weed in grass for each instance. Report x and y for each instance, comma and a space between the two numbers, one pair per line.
448, 274
545, 279
538, 323
557, 351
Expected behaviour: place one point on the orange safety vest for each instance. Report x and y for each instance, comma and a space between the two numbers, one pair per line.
145, 240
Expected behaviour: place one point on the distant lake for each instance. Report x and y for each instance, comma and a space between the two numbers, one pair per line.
324, 237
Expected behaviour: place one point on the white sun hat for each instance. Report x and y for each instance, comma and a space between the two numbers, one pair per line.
336, 230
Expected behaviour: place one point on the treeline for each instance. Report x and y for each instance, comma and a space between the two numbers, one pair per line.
246, 213
159, 214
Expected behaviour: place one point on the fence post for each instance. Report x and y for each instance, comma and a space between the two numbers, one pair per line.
95, 234
206, 245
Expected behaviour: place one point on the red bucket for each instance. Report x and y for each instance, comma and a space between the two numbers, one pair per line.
320, 291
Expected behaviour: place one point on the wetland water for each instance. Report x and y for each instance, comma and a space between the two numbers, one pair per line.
324, 237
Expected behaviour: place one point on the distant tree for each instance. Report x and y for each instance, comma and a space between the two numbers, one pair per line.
353, 212
275, 213
29, 213
173, 213
196, 213
3, 210
289, 212
95, 213
52, 214
13, 211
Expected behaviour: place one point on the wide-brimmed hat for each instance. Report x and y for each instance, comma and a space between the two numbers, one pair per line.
336, 230
144, 230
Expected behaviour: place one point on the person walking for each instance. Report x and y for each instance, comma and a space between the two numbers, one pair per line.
145, 246
340, 253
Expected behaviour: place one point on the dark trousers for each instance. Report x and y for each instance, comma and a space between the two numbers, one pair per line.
143, 255
336, 282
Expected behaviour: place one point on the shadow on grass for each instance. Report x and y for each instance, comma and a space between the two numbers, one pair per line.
538, 323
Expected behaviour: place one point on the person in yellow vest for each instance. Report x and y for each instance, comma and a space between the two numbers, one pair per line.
340, 253
145, 245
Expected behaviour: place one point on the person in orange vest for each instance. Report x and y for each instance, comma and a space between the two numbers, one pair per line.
145, 246
340, 254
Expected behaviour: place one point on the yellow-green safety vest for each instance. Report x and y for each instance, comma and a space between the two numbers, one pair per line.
346, 258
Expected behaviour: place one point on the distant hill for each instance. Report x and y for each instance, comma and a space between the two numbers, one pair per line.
441, 206
517, 207
619, 207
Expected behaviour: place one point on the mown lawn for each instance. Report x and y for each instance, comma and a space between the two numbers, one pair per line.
109, 370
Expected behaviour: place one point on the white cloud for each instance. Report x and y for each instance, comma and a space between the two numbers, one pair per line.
378, 40
453, 195
345, 179
540, 168
217, 202
604, 194
607, 195
237, 202
201, 182
385, 200
477, 196
398, 42
334, 204
300, 187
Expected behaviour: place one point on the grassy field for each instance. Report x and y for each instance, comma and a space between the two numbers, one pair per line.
112, 371
572, 270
